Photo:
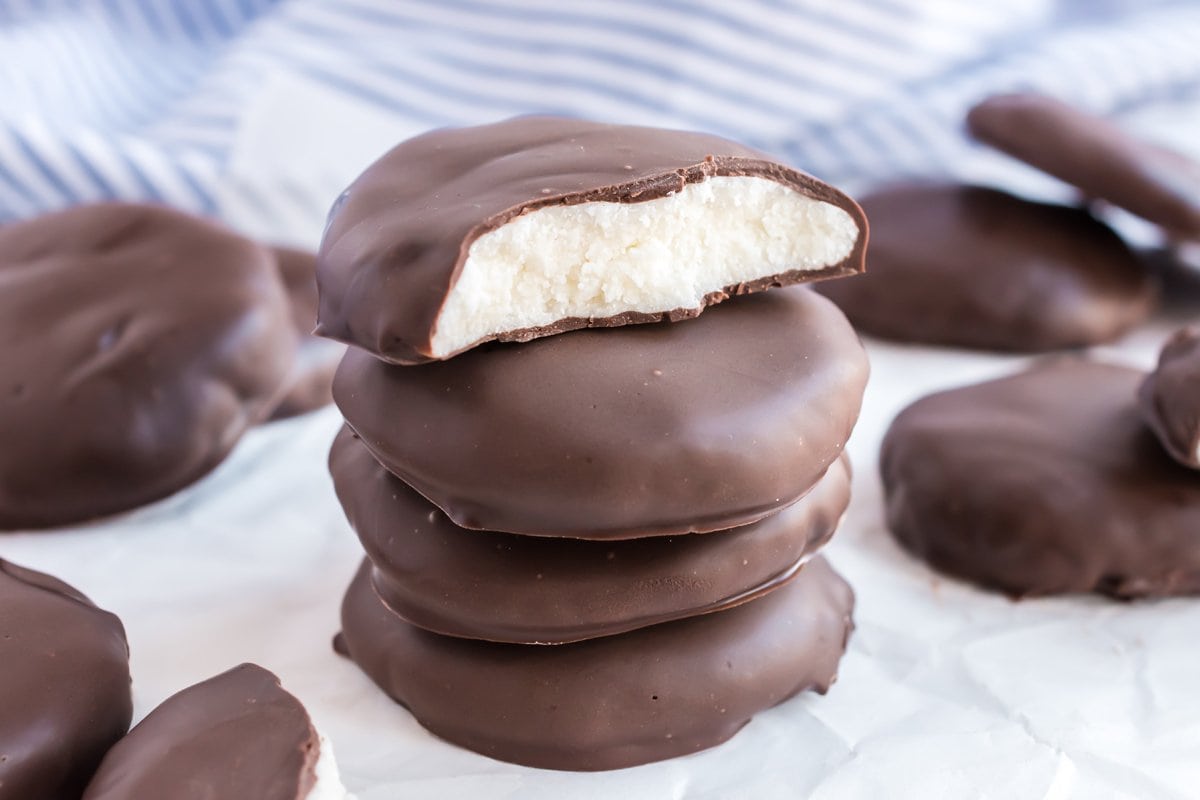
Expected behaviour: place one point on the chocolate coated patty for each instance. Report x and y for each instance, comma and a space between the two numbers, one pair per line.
637, 431
503, 587
1044, 482
612, 702
137, 344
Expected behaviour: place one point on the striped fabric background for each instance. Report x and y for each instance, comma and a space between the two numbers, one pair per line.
260, 110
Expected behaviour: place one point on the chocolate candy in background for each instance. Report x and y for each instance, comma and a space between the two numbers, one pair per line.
974, 267
137, 344
1044, 482
310, 385
238, 736
1154, 182
614, 434
64, 686
539, 225
501, 587
612, 702
1178, 280
1170, 397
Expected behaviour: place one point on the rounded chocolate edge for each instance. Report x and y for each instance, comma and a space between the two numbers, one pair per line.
254, 388
614, 702
1181, 441
160, 758
967, 318
1005, 122
1132, 541
590, 587
481, 505
62, 763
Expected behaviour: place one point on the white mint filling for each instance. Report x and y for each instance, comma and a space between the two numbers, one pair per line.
603, 258
328, 785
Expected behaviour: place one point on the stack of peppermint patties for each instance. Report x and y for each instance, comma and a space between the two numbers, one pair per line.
592, 513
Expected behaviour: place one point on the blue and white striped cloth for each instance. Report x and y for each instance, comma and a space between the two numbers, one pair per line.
260, 110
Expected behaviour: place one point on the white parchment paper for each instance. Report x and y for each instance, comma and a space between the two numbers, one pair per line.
946, 691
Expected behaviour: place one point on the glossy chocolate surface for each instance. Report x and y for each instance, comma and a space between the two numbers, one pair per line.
64, 686
233, 737
1156, 183
612, 702
968, 266
612, 434
501, 587
1044, 482
397, 238
137, 344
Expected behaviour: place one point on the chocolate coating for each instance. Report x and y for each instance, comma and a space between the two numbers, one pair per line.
1090, 152
501, 587
397, 238
233, 737
137, 344
310, 385
1042, 483
64, 686
1170, 397
613, 702
614, 434
974, 267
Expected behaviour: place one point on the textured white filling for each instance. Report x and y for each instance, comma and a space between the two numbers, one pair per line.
601, 259
329, 783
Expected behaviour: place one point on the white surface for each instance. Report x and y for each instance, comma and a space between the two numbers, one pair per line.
328, 785
602, 259
946, 691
